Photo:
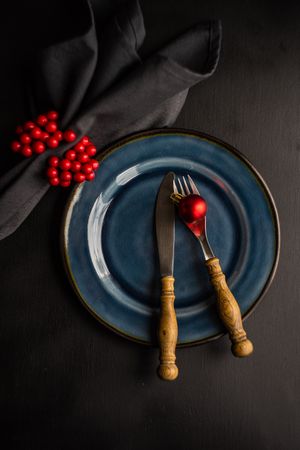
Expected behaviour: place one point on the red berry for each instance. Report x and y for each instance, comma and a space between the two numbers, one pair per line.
91, 150
76, 166
52, 142
58, 135
36, 133
53, 161
19, 129
79, 177
52, 115
70, 154
29, 125
26, 151
65, 164
85, 140
64, 183
192, 207
54, 181
94, 163
38, 147
90, 176
52, 172
25, 138
69, 136
51, 127
41, 120
44, 136
15, 146
83, 158
79, 147
65, 175
87, 168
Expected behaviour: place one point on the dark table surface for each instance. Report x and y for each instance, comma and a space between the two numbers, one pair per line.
69, 383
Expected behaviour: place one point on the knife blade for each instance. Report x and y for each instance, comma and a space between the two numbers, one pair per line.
165, 236
165, 226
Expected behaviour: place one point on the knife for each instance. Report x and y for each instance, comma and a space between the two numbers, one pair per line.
165, 235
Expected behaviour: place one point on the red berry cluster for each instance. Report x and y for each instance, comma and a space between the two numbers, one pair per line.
76, 164
36, 137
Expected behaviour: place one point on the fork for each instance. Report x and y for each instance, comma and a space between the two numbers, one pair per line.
228, 307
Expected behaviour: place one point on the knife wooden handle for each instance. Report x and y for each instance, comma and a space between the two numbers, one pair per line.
168, 331
229, 310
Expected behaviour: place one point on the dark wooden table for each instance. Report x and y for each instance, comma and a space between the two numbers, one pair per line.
66, 381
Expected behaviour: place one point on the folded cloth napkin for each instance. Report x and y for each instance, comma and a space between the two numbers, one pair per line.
101, 87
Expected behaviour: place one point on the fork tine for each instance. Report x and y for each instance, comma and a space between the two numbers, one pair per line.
193, 186
181, 188
188, 192
175, 190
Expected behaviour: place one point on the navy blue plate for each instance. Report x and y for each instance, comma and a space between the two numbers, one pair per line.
109, 239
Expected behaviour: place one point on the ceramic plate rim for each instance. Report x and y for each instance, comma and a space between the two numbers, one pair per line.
181, 132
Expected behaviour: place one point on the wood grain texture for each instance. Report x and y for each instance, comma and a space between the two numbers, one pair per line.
168, 331
67, 382
229, 310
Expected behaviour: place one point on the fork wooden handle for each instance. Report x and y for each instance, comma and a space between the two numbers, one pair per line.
168, 331
229, 310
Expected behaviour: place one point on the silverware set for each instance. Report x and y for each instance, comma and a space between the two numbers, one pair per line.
183, 194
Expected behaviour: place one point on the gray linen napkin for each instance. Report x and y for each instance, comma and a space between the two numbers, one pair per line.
101, 87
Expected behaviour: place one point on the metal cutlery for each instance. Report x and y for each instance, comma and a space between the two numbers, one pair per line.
228, 307
165, 235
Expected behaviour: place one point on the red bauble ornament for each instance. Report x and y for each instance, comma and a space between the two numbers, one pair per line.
15, 146
63, 183
79, 177
69, 136
90, 176
87, 168
38, 147
83, 158
51, 127
25, 138
94, 163
192, 207
79, 147
29, 125
54, 181
85, 140
65, 164
26, 151
53, 161
52, 142
65, 175
76, 166
52, 115
70, 154
41, 120
58, 135
44, 136
36, 133
91, 150
52, 172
